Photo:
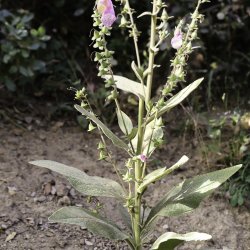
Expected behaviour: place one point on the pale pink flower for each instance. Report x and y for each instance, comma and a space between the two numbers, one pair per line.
101, 6
143, 158
176, 41
106, 8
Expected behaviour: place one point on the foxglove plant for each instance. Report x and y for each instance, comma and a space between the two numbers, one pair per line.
141, 140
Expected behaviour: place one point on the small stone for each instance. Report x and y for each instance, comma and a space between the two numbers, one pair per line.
42, 137
165, 226
26, 236
47, 188
33, 194
30, 221
4, 226
41, 198
72, 192
40, 222
49, 234
12, 190
30, 127
78, 205
65, 200
53, 190
28, 119
88, 243
61, 190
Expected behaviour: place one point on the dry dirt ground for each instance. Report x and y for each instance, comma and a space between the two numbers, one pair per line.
30, 194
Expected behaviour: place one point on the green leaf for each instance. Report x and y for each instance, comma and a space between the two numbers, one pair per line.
116, 141
177, 99
187, 195
92, 221
88, 185
160, 173
170, 240
138, 72
153, 132
125, 216
11, 86
130, 86
124, 122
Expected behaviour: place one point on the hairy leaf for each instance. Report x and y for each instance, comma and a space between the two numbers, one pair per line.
130, 86
187, 195
178, 98
92, 221
124, 122
116, 141
170, 240
160, 173
88, 185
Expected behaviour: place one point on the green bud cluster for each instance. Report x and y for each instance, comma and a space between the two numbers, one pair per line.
162, 28
178, 64
102, 151
104, 56
126, 20
80, 94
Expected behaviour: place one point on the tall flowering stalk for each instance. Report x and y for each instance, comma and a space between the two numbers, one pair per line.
139, 141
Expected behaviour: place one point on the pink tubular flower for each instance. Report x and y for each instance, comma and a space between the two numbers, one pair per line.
101, 6
176, 41
108, 16
106, 8
143, 158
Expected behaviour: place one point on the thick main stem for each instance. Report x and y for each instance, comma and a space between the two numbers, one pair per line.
151, 51
138, 171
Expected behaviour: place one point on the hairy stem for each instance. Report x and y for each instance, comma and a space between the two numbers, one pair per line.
151, 51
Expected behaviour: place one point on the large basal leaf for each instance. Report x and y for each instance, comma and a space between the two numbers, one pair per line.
178, 98
92, 221
170, 240
130, 86
124, 122
187, 195
158, 174
88, 185
116, 141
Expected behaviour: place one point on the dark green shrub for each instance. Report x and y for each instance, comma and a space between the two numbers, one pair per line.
20, 48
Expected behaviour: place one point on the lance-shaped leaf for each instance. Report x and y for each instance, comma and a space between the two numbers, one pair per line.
116, 141
187, 195
124, 122
170, 240
92, 221
177, 99
88, 185
160, 173
130, 86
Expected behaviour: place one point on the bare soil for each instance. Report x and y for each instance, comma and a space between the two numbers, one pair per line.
30, 194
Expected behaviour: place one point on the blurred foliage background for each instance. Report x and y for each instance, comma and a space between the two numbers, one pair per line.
45, 49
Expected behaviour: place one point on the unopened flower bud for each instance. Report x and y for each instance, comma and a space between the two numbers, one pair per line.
164, 15
124, 22
179, 73
91, 127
